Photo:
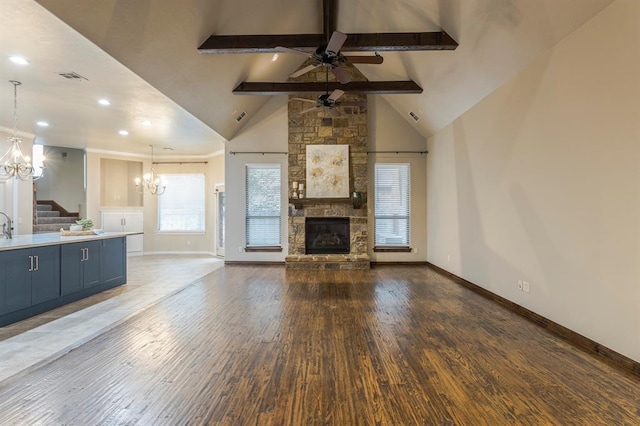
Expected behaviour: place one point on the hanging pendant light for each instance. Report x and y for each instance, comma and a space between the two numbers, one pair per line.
14, 163
151, 182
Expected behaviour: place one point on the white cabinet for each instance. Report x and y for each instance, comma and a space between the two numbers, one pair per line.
125, 221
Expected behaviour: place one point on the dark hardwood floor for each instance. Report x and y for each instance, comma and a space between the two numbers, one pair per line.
397, 345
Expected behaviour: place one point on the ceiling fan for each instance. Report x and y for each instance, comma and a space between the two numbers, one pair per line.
330, 57
329, 101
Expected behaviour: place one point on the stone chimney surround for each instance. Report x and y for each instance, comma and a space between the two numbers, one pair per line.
322, 126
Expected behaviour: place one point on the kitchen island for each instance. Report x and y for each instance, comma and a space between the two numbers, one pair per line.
40, 272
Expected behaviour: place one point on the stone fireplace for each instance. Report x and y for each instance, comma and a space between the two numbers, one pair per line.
322, 126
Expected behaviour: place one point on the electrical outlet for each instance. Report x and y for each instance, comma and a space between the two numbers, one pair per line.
520, 285
525, 286
239, 249
448, 257
415, 250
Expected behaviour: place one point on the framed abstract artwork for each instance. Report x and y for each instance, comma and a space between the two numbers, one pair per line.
327, 171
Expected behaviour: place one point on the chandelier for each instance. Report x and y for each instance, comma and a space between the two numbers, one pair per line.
151, 182
14, 163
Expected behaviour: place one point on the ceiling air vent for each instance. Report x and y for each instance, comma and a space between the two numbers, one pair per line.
414, 115
242, 115
72, 76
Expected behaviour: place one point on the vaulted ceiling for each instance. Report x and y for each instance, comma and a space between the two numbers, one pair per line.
143, 56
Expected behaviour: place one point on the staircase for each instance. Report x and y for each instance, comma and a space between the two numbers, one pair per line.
50, 217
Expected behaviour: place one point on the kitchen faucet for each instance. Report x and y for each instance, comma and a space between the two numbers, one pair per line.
7, 227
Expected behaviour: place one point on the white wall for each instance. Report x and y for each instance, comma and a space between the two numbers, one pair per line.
63, 180
541, 182
154, 241
390, 132
266, 132
175, 242
115, 183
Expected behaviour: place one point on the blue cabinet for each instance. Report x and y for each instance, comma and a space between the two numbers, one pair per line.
15, 293
80, 266
45, 276
40, 278
28, 277
114, 262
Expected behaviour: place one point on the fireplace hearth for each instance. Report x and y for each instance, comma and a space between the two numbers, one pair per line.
327, 235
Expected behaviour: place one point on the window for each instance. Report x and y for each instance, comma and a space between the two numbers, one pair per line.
181, 207
220, 219
392, 205
38, 160
263, 205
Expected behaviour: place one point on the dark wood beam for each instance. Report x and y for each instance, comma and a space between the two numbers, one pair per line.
329, 18
380, 42
399, 41
359, 87
216, 44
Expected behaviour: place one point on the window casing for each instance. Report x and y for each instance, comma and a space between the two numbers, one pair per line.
182, 207
392, 205
263, 198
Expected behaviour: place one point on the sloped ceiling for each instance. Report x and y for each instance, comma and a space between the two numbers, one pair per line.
152, 59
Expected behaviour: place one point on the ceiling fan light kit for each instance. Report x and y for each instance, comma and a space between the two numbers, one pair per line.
329, 56
329, 101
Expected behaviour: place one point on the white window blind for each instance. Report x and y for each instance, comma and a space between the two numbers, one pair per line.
392, 204
182, 206
263, 205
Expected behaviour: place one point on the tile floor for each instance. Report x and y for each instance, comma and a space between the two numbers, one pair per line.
39, 340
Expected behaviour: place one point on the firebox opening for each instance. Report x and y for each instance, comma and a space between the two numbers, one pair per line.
327, 235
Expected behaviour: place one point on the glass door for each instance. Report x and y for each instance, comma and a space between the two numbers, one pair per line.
219, 235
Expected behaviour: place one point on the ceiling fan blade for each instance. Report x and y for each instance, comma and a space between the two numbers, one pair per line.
341, 75
289, 50
307, 110
304, 100
336, 94
335, 42
304, 70
364, 59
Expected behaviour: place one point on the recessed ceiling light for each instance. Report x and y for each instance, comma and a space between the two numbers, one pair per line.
104, 102
275, 57
123, 132
18, 60
146, 122
42, 124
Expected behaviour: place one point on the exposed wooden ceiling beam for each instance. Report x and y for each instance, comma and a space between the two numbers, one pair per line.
329, 18
382, 42
216, 44
359, 87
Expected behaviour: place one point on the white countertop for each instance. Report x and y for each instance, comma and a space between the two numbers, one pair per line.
54, 238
